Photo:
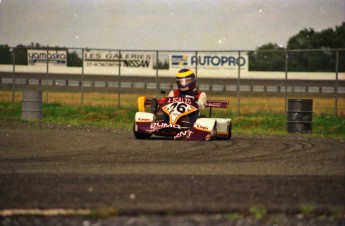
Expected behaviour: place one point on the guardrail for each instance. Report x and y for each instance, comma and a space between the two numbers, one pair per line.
133, 83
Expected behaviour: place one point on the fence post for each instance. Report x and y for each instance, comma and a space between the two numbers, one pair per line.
336, 83
238, 87
119, 83
196, 63
157, 85
13, 75
47, 71
82, 78
286, 79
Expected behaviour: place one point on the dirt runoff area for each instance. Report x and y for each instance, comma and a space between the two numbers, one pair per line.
67, 175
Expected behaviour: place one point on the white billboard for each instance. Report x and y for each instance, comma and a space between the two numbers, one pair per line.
54, 57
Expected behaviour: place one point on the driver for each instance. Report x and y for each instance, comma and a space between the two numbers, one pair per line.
186, 83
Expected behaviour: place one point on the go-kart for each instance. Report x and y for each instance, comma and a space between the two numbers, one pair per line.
179, 127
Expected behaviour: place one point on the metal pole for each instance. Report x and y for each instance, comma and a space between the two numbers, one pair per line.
157, 85
82, 78
286, 77
119, 84
13, 75
238, 87
47, 77
336, 83
196, 63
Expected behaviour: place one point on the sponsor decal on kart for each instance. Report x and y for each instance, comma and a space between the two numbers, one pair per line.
144, 120
201, 127
185, 100
208, 137
176, 110
160, 125
217, 105
183, 134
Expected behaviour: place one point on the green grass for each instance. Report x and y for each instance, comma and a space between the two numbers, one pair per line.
234, 216
258, 212
103, 117
111, 117
308, 209
275, 123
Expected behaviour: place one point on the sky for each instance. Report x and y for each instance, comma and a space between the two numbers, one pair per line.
163, 24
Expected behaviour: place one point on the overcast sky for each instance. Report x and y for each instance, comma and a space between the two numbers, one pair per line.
163, 24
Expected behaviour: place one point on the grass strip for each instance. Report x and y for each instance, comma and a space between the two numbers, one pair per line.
263, 123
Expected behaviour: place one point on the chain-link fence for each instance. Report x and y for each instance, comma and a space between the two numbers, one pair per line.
265, 79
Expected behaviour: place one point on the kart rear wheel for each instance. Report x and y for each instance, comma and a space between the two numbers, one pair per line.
229, 130
140, 135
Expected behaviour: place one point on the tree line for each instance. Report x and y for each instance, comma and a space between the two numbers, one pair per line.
308, 50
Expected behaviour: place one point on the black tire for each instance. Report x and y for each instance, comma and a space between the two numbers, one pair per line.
140, 135
230, 131
215, 130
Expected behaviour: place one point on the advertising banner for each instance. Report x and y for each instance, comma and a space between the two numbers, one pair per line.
111, 59
54, 57
209, 61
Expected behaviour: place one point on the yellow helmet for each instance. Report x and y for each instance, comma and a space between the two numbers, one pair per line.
185, 80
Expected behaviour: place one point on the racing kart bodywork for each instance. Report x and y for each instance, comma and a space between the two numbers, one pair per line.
178, 109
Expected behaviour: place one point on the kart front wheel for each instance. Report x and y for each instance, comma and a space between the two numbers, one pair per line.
140, 135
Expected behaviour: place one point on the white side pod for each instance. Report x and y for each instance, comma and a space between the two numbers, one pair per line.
205, 124
222, 125
144, 117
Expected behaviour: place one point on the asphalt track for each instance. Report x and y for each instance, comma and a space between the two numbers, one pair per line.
86, 168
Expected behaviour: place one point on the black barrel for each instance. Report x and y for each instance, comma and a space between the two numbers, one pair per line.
32, 105
300, 115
